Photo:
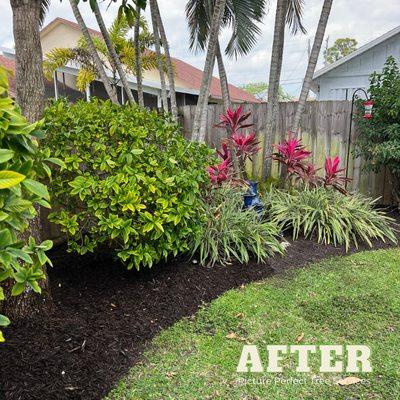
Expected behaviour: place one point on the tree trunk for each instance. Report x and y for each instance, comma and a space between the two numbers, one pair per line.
30, 97
204, 116
273, 86
226, 101
28, 58
168, 61
113, 54
93, 52
312, 62
157, 45
219, 8
138, 58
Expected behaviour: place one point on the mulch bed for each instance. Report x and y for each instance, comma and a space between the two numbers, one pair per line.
106, 315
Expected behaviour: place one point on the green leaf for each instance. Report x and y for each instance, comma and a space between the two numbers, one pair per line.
1, 294
5, 238
4, 321
2, 340
37, 188
137, 151
17, 289
5, 155
56, 161
10, 178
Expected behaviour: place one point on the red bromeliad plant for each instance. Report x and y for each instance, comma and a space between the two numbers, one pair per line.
294, 156
238, 145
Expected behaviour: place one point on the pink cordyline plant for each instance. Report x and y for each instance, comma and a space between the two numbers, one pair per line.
245, 146
294, 155
291, 153
220, 173
234, 120
332, 174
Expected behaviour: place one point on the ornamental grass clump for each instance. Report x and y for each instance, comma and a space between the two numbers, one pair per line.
329, 216
229, 233
130, 180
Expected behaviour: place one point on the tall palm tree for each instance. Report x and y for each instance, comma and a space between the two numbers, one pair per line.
114, 58
157, 45
111, 92
123, 45
241, 16
216, 20
312, 62
168, 60
138, 58
288, 12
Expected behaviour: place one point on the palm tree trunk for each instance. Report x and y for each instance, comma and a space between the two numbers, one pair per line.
29, 82
99, 66
168, 61
312, 62
273, 85
157, 45
28, 58
138, 58
113, 54
219, 8
226, 101
204, 116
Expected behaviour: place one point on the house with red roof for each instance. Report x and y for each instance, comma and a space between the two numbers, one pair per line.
62, 33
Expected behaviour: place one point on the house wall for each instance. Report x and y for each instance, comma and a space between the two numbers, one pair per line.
341, 82
60, 36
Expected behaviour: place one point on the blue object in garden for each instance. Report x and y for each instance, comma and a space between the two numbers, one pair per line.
252, 199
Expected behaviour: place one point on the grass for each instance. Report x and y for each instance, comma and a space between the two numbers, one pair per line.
347, 300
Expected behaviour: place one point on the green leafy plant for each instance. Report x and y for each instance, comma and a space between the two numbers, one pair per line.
229, 233
130, 180
329, 216
21, 163
378, 139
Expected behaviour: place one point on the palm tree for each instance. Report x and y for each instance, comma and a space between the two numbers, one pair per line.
312, 62
242, 16
157, 45
111, 92
138, 59
114, 58
216, 20
123, 45
168, 61
288, 12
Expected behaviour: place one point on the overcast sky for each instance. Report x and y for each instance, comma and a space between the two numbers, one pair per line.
363, 20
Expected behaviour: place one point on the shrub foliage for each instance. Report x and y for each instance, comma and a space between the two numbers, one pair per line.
130, 180
21, 163
330, 216
230, 233
378, 139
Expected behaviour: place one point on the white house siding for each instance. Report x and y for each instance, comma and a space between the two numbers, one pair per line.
341, 82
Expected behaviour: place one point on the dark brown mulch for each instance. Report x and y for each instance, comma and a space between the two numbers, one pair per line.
105, 315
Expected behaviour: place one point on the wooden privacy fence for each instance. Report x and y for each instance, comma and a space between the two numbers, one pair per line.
325, 127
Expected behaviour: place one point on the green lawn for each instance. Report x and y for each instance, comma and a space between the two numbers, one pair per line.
350, 300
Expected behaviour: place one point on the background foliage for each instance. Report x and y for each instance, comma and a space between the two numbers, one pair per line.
378, 140
131, 180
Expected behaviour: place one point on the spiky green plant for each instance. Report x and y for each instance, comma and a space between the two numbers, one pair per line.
330, 216
230, 233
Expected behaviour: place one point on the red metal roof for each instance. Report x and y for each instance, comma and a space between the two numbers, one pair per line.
10, 65
192, 76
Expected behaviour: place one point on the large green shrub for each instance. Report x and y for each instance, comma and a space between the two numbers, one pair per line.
378, 140
131, 180
21, 163
329, 216
229, 233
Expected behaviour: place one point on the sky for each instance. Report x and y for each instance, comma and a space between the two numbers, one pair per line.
363, 20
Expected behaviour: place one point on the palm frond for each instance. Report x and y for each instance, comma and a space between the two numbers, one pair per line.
294, 16
199, 24
84, 78
44, 8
